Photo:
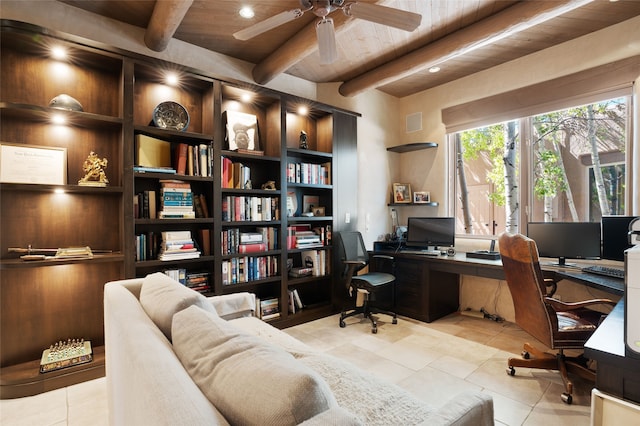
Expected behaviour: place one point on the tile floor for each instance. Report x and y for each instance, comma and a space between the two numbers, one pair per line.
435, 361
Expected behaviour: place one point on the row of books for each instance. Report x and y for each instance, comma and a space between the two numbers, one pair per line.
268, 309
194, 160
316, 174
263, 239
177, 245
145, 206
235, 175
249, 208
248, 268
295, 302
198, 281
316, 260
148, 244
155, 156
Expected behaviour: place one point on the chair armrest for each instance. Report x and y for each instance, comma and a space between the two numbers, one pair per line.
564, 306
382, 256
354, 262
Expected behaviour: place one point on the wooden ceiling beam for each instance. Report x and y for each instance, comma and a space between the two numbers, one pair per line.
512, 20
165, 20
293, 50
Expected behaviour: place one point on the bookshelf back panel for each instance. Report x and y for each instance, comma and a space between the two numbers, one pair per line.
50, 220
40, 80
40, 306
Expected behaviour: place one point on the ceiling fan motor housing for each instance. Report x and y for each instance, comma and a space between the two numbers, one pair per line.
321, 8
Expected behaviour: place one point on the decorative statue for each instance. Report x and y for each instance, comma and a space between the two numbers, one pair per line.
303, 140
94, 167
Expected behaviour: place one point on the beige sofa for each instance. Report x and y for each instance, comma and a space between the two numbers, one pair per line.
175, 357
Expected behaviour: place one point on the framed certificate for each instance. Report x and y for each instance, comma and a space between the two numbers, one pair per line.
32, 164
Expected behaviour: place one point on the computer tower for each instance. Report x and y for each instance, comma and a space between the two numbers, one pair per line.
632, 301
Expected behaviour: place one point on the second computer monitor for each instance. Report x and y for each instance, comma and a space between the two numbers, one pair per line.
425, 232
566, 240
614, 236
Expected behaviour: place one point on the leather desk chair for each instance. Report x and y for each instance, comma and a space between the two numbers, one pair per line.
556, 324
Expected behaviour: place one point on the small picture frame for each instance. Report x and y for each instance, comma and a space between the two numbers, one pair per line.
421, 197
401, 193
318, 211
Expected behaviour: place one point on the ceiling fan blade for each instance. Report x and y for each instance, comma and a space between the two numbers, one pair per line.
268, 24
326, 41
389, 16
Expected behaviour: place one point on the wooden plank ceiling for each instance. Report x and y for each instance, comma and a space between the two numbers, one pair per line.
462, 37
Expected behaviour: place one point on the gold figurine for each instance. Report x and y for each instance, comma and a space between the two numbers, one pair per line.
94, 171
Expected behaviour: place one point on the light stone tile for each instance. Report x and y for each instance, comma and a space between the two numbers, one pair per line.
507, 410
436, 387
50, 409
455, 366
409, 354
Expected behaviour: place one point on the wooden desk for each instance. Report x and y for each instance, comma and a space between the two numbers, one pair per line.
617, 374
427, 287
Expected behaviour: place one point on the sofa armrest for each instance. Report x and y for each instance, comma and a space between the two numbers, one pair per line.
234, 305
465, 409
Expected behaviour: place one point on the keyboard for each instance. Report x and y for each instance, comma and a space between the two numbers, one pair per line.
422, 252
607, 271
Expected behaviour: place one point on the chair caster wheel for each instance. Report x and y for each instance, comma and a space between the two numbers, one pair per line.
566, 398
526, 355
395, 321
342, 324
374, 330
511, 371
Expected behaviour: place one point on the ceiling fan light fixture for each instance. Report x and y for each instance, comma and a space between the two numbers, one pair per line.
396, 18
246, 12
326, 41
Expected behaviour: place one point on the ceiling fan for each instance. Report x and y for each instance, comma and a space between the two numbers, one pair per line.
325, 31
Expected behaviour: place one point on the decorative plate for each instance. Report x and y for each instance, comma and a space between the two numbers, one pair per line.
171, 115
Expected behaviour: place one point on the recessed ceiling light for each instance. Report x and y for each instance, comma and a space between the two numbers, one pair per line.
247, 12
303, 110
59, 52
245, 97
434, 69
172, 79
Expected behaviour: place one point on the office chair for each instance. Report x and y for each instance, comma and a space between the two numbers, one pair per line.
556, 324
354, 257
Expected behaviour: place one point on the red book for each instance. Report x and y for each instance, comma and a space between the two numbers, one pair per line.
181, 159
252, 248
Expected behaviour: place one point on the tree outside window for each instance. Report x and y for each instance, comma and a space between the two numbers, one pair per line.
577, 166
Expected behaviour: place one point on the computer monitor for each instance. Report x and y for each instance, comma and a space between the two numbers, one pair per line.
614, 236
566, 240
425, 232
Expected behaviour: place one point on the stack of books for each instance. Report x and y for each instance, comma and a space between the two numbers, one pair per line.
307, 239
176, 200
295, 303
251, 242
269, 309
316, 260
177, 245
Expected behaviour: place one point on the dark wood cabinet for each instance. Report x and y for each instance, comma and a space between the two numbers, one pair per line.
43, 302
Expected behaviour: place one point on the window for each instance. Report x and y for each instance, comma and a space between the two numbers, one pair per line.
571, 169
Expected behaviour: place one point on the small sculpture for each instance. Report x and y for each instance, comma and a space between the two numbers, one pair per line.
94, 167
303, 140
269, 185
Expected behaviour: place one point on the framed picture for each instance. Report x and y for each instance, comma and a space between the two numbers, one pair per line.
33, 164
242, 131
318, 211
421, 197
309, 203
401, 193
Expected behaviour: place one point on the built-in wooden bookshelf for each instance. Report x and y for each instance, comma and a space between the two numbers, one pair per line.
45, 301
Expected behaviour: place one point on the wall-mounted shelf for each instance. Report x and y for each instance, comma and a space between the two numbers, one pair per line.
431, 204
416, 146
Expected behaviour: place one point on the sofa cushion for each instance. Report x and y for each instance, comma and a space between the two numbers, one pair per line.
249, 380
161, 297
